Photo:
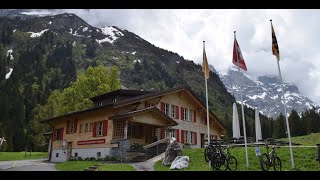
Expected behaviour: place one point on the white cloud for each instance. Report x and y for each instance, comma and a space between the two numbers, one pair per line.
182, 31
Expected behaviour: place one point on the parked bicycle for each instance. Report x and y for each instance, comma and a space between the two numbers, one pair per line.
270, 159
223, 160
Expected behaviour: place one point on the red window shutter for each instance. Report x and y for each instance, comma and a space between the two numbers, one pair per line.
182, 136
182, 113
68, 125
195, 138
161, 133
177, 133
75, 125
205, 120
61, 134
195, 116
105, 127
54, 134
162, 107
94, 131
177, 112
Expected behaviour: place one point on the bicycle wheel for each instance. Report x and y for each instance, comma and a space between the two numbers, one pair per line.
232, 163
277, 164
215, 161
206, 154
223, 163
264, 162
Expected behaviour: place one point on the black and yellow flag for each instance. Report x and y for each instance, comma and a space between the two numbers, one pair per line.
275, 48
205, 65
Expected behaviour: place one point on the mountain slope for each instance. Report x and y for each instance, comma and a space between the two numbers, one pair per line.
264, 93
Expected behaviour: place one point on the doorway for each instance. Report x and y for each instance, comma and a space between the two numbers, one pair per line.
69, 150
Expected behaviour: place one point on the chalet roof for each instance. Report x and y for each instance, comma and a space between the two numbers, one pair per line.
125, 92
141, 111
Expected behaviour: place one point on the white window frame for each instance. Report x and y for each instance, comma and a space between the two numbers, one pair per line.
173, 134
185, 113
100, 128
173, 111
191, 137
71, 126
190, 118
166, 108
186, 136
99, 103
114, 100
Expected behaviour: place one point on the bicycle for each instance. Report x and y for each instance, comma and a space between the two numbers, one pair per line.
223, 159
270, 159
209, 151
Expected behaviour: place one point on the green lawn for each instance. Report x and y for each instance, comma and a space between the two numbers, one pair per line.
307, 140
8, 156
304, 159
116, 167
81, 165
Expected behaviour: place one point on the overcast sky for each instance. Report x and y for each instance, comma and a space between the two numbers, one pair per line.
182, 31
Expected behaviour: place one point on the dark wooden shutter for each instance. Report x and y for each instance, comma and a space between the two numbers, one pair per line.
205, 120
182, 136
161, 133
195, 116
94, 132
177, 112
75, 126
162, 107
61, 134
177, 133
68, 126
182, 113
195, 138
105, 127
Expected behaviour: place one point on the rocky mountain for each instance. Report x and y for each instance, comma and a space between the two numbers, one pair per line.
41, 54
264, 92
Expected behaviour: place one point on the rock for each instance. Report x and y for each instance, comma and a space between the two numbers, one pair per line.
172, 152
180, 162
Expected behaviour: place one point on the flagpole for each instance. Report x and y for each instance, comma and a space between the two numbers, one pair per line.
205, 78
243, 120
285, 110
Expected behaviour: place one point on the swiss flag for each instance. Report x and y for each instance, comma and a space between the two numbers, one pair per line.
237, 56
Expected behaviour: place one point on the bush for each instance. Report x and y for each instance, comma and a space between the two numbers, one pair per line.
92, 159
136, 146
107, 158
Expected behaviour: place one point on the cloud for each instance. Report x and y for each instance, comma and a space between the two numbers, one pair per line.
183, 31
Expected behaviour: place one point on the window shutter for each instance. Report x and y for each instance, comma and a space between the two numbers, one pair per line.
75, 125
205, 120
61, 134
162, 107
195, 138
94, 132
105, 127
195, 116
182, 113
54, 134
68, 125
161, 133
177, 133
177, 112
182, 136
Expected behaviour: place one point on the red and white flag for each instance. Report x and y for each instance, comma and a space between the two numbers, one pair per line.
237, 56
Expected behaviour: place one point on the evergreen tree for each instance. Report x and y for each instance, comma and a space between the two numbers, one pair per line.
279, 128
295, 123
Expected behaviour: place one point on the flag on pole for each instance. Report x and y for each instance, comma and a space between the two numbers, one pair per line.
205, 65
275, 48
237, 56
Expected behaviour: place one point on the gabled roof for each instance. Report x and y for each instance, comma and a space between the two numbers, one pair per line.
125, 92
141, 111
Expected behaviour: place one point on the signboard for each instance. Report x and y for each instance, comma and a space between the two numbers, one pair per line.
115, 145
88, 142
257, 151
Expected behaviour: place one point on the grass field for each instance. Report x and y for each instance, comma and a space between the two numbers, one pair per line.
81, 165
8, 156
304, 158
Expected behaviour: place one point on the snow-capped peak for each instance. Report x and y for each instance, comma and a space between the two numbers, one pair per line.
112, 34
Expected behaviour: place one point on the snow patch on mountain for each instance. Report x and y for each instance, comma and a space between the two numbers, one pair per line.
9, 73
37, 34
112, 34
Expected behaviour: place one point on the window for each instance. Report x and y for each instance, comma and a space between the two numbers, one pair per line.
185, 136
165, 133
99, 129
57, 154
75, 154
191, 137
71, 126
188, 137
80, 128
185, 113
100, 104
114, 100
190, 115
158, 134
91, 127
118, 129
173, 111
57, 135
173, 133
133, 131
166, 109
98, 154
86, 129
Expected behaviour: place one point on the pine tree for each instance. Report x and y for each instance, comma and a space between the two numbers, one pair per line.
295, 123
